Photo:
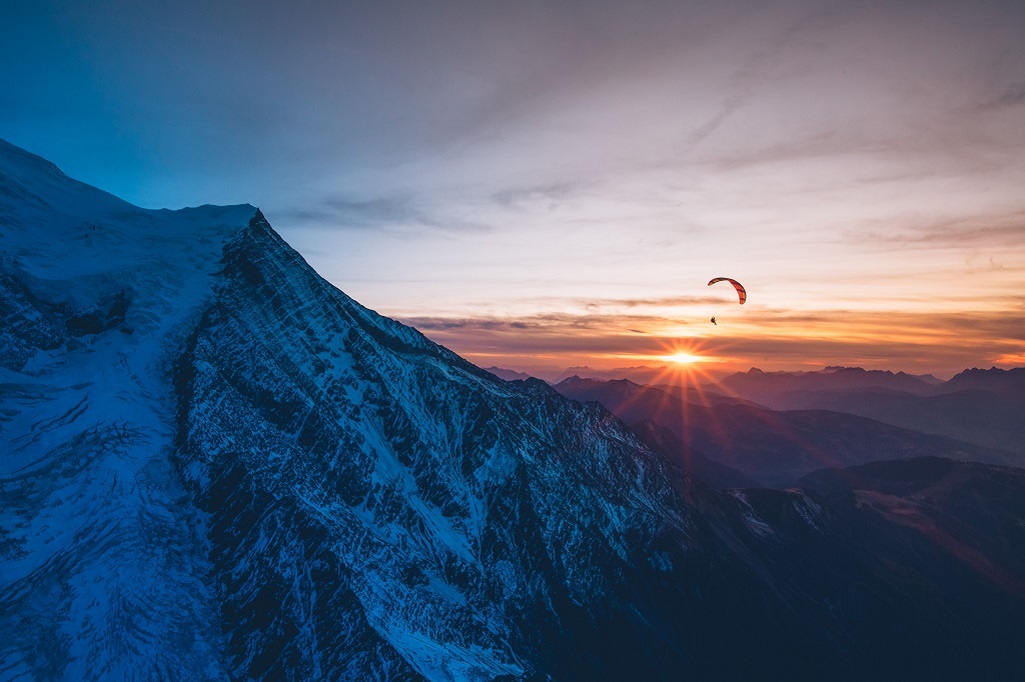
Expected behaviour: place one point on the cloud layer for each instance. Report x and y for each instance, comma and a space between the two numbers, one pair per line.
594, 161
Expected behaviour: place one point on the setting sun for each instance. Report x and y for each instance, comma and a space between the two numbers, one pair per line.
683, 358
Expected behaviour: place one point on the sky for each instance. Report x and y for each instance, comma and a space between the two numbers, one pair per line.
543, 185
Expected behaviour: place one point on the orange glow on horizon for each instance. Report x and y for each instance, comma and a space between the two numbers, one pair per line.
684, 358
685, 346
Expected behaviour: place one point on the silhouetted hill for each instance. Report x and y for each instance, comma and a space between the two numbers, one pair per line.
986, 418
975, 511
507, 374
766, 387
981, 407
701, 394
663, 441
993, 379
642, 375
770, 447
599, 389
939, 539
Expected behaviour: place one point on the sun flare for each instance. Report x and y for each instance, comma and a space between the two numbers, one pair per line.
683, 358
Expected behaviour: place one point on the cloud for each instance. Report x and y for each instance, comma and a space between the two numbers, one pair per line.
654, 302
548, 193
984, 229
545, 322
598, 157
390, 212
1012, 96
936, 342
762, 67
554, 333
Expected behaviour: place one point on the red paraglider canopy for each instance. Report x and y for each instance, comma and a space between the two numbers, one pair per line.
741, 291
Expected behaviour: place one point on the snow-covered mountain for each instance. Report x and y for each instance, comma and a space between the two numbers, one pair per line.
215, 465
103, 553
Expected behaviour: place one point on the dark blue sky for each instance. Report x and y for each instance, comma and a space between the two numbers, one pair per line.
577, 164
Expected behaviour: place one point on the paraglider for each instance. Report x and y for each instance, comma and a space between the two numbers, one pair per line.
714, 322
741, 291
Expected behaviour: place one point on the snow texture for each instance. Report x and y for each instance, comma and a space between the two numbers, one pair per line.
215, 464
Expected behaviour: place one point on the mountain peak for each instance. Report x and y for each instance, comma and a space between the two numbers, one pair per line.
993, 378
13, 157
507, 374
231, 469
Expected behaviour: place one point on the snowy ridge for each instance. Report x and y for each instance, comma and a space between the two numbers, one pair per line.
358, 501
215, 465
413, 466
100, 551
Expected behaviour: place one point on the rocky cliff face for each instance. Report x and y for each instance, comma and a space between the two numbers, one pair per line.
349, 466
215, 465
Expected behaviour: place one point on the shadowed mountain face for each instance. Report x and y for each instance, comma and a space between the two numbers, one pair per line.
973, 511
455, 516
769, 447
982, 407
663, 441
218, 466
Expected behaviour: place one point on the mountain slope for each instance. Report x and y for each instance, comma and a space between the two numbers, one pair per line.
982, 407
215, 465
663, 441
988, 418
764, 387
426, 486
973, 510
101, 555
770, 447
234, 470
992, 379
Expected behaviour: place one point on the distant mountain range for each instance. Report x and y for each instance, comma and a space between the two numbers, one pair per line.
982, 407
762, 386
508, 374
771, 447
641, 375
624, 390
216, 465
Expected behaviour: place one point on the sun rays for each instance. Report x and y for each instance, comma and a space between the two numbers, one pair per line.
683, 358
